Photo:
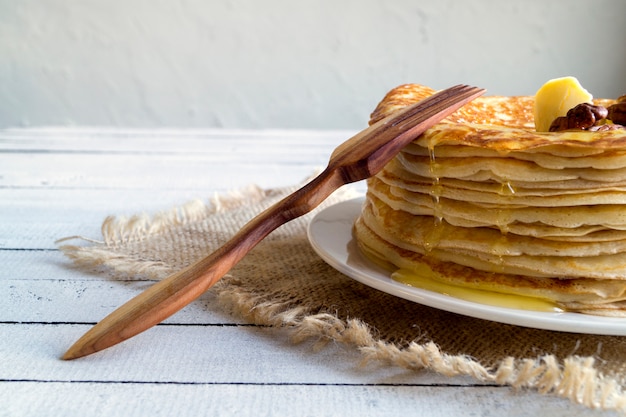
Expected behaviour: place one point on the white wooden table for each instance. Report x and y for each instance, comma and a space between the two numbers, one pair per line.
60, 182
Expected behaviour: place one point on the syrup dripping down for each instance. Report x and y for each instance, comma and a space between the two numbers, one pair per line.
434, 235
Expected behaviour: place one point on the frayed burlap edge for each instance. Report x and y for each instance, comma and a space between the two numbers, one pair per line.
575, 378
119, 230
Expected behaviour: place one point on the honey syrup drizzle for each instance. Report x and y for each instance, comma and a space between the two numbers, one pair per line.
433, 237
426, 279
505, 195
499, 246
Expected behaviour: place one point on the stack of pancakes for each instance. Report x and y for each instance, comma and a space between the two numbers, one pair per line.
484, 201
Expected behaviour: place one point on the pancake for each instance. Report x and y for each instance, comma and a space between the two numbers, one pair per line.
482, 200
579, 220
582, 295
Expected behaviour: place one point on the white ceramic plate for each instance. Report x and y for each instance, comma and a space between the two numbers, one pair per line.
330, 234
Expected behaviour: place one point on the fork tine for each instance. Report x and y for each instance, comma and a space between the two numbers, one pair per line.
361, 158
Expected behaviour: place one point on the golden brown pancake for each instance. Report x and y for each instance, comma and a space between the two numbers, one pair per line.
487, 202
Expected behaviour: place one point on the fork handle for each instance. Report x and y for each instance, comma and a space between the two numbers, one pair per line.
168, 296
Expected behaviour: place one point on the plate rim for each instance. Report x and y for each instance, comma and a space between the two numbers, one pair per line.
341, 253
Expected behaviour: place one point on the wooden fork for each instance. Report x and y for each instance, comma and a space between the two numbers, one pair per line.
356, 159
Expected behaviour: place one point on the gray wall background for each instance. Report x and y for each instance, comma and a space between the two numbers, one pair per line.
286, 64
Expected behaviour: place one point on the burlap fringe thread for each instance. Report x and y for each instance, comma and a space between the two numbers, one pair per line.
576, 378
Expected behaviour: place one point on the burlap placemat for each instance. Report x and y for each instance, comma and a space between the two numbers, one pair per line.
282, 282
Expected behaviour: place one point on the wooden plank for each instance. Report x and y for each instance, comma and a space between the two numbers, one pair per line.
106, 171
43, 287
36, 218
80, 140
193, 354
197, 160
287, 153
84, 301
26, 398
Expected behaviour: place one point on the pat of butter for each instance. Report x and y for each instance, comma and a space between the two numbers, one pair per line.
555, 98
